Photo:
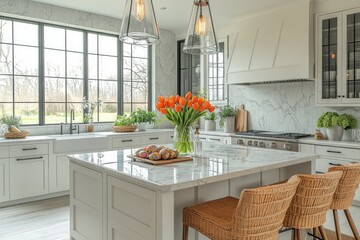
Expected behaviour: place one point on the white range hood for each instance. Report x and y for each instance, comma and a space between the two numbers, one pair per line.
273, 47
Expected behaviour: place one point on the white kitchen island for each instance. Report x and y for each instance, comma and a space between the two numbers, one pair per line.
114, 198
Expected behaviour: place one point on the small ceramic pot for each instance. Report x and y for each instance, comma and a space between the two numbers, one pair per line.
229, 125
210, 125
335, 133
142, 126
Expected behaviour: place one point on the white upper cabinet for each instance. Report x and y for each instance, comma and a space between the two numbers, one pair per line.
275, 46
338, 58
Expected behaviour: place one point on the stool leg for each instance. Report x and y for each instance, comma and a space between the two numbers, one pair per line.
322, 233
298, 236
314, 233
185, 232
294, 234
337, 225
352, 225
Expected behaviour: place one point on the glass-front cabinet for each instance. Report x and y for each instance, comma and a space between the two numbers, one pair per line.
338, 59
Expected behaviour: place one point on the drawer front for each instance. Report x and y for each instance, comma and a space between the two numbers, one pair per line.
29, 149
170, 137
338, 153
4, 152
215, 139
323, 164
125, 142
155, 139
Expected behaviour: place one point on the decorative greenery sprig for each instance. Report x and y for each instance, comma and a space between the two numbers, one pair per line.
11, 120
140, 116
89, 106
331, 119
226, 112
211, 116
124, 120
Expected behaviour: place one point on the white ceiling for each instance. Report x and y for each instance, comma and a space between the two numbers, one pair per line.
176, 16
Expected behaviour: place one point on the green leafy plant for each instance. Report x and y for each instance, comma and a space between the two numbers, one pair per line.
124, 120
11, 120
211, 116
140, 116
331, 119
347, 121
226, 112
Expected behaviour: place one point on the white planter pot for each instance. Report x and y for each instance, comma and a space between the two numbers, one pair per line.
229, 125
142, 126
335, 133
323, 131
347, 135
210, 125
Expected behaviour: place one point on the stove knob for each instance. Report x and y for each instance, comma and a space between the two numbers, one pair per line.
240, 141
249, 143
287, 147
255, 143
273, 145
262, 144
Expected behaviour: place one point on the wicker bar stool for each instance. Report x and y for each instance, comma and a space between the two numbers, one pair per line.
257, 215
344, 195
312, 200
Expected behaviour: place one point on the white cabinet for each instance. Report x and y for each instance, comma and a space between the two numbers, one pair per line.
125, 142
272, 47
28, 176
59, 174
86, 203
4, 179
28, 170
338, 59
333, 156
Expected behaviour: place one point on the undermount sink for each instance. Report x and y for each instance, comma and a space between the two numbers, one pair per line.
73, 143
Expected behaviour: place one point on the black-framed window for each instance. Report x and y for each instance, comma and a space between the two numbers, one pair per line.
46, 70
19, 69
188, 71
216, 74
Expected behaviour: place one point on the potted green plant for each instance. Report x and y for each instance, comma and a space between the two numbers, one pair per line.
335, 124
143, 118
124, 123
347, 122
210, 121
227, 118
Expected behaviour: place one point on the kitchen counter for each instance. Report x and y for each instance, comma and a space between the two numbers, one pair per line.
236, 161
345, 144
113, 196
26, 140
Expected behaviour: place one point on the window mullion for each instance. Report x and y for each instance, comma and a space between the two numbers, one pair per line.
150, 49
41, 76
86, 68
120, 80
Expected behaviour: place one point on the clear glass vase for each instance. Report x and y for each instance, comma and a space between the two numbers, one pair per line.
90, 126
184, 140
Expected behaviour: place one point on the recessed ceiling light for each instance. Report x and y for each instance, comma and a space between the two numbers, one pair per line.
164, 8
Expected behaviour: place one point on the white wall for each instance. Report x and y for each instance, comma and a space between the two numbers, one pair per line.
164, 69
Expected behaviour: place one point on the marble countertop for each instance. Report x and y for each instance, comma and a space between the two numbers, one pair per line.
218, 162
26, 140
346, 144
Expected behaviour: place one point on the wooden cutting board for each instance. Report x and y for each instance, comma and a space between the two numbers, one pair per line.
242, 120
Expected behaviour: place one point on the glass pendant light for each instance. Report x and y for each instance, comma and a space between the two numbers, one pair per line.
139, 24
201, 37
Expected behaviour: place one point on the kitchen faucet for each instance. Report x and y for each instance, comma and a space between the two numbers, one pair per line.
72, 117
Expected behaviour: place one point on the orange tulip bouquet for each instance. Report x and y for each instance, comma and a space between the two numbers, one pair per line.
183, 112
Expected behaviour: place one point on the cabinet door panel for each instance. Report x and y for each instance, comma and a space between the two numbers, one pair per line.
4, 180
59, 175
28, 176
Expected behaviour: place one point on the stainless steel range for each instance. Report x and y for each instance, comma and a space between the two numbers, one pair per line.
267, 139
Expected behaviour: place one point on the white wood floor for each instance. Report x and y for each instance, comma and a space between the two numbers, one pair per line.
41, 220
50, 220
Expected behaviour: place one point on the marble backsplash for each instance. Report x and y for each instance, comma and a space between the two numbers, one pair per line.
287, 107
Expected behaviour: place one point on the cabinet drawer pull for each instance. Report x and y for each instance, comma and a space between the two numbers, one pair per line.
215, 139
318, 172
26, 159
202, 138
171, 136
130, 140
335, 164
329, 151
29, 149
154, 138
